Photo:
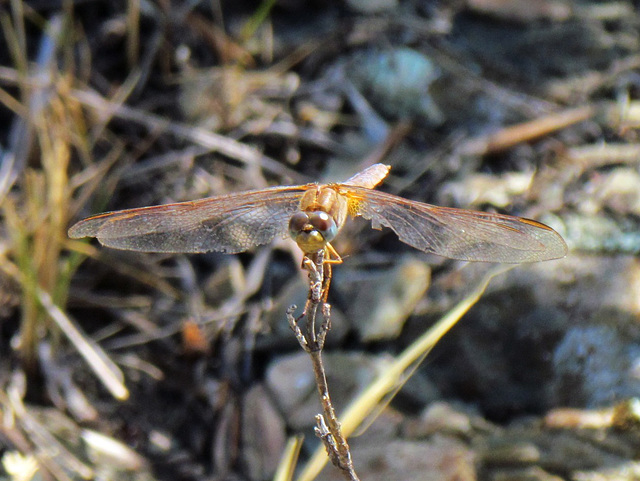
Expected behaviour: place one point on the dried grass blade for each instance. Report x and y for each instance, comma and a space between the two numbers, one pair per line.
48, 450
106, 370
225, 145
289, 459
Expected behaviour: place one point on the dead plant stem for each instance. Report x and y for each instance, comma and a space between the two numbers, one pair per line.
312, 341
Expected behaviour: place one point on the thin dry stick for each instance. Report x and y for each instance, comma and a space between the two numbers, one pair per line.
312, 340
524, 132
226, 146
388, 382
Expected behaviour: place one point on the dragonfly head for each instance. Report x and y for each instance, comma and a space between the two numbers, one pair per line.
312, 230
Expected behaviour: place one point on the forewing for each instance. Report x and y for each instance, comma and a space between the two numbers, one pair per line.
369, 177
231, 223
455, 233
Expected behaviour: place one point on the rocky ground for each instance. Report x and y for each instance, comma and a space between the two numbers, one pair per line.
121, 365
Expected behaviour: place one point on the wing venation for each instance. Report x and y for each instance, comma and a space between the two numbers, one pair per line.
231, 223
459, 234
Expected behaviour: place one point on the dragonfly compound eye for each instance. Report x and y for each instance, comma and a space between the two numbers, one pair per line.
323, 223
297, 223
312, 230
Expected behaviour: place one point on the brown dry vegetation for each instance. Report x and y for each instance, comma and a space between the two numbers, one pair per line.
119, 365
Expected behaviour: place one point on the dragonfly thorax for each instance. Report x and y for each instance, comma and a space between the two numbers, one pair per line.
312, 230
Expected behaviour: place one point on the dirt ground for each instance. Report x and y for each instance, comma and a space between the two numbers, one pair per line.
123, 365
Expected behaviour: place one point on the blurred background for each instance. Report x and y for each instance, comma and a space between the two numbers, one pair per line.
122, 365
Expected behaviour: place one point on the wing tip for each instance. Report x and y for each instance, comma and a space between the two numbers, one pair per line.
554, 246
84, 228
557, 249
76, 232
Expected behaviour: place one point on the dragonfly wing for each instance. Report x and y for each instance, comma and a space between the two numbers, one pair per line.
456, 233
369, 177
231, 223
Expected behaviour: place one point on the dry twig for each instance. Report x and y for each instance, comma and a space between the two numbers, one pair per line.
312, 340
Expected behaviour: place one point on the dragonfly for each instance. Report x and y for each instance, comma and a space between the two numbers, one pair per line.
313, 214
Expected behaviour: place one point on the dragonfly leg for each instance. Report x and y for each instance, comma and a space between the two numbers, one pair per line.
331, 255
326, 281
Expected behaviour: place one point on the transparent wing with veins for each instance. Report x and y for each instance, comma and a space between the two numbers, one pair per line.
455, 233
231, 223
237, 222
